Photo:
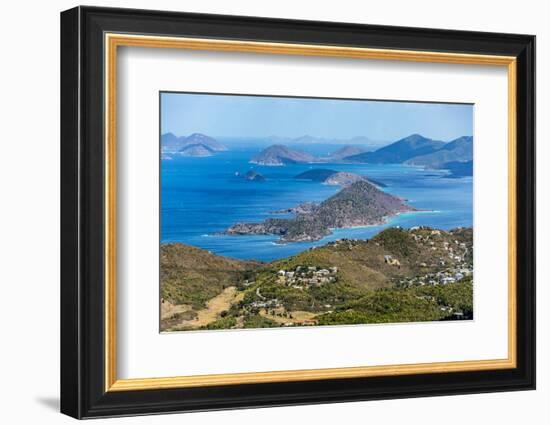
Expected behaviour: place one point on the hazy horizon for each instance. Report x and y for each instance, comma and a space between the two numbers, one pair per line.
261, 117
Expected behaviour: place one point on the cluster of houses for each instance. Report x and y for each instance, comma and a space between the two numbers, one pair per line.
307, 322
444, 277
305, 276
453, 255
456, 315
456, 253
272, 303
346, 243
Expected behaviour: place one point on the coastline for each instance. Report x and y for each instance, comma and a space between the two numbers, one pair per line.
442, 203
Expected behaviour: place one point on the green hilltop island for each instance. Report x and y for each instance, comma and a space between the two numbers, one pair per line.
359, 203
400, 275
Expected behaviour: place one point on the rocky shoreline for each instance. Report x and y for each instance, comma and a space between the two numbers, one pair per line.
358, 204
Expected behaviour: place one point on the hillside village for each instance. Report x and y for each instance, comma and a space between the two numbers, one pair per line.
453, 260
302, 277
420, 273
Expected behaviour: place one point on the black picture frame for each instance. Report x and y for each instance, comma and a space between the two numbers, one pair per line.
83, 392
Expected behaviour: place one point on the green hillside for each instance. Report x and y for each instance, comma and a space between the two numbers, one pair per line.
399, 275
190, 275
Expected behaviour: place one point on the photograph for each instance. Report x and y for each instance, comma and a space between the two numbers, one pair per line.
279, 211
283, 210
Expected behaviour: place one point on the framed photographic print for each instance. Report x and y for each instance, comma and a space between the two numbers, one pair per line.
261, 212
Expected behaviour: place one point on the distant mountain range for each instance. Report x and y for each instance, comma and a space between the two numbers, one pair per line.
414, 150
313, 140
400, 151
197, 144
276, 155
460, 149
417, 150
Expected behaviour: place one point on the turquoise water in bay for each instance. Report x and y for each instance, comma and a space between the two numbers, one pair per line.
201, 197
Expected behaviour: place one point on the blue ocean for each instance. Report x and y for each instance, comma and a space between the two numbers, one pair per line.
202, 197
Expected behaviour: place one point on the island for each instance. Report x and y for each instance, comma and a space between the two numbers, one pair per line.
278, 155
458, 150
170, 143
316, 174
400, 151
254, 176
342, 178
196, 150
419, 151
359, 204
334, 178
344, 152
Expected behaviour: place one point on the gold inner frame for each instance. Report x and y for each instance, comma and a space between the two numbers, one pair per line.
113, 41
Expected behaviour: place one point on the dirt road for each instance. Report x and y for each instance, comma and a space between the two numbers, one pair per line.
213, 308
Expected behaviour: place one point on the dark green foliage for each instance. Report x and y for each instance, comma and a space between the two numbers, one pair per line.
335, 293
293, 299
397, 241
222, 323
384, 306
190, 291
177, 318
416, 304
193, 276
257, 321
459, 296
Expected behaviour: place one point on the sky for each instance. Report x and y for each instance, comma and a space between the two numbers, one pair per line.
264, 116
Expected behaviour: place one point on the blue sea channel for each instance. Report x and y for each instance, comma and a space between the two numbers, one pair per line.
201, 197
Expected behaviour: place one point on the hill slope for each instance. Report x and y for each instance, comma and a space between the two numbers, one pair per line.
197, 150
343, 178
397, 276
458, 150
277, 155
202, 139
316, 175
344, 152
359, 204
400, 151
333, 177
192, 275
171, 143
